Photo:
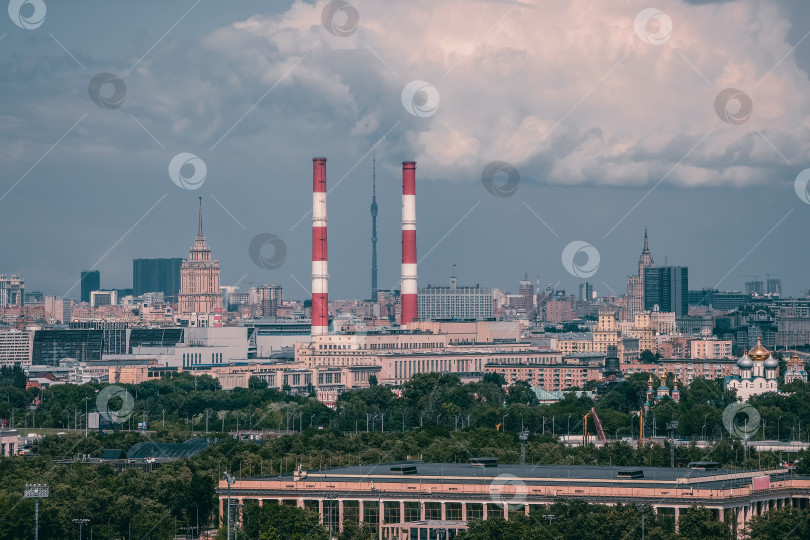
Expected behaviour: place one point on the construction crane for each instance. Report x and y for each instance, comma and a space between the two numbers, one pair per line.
600, 433
585, 430
598, 424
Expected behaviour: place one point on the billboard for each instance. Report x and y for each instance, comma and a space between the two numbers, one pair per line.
761, 483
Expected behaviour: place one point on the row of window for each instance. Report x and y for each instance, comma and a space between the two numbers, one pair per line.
190, 359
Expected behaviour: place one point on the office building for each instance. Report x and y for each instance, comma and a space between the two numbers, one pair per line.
755, 287
199, 278
12, 291
15, 347
51, 346
114, 334
526, 294
157, 275
585, 292
91, 281
269, 298
666, 288
103, 298
454, 302
55, 310
775, 286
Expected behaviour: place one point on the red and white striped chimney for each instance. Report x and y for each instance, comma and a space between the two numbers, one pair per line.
320, 275
408, 286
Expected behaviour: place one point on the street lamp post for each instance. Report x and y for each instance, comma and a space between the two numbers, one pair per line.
36, 492
569, 428
86, 418
703, 431
230, 480
777, 427
81, 523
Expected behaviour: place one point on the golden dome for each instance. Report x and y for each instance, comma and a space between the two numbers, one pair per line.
759, 353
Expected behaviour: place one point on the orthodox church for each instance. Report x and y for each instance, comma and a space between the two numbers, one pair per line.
795, 370
759, 372
662, 392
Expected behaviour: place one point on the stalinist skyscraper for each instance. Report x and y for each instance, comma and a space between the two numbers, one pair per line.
634, 301
199, 278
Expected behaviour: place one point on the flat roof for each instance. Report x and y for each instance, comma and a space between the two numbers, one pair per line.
591, 476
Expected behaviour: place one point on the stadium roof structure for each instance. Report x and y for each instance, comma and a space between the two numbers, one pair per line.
161, 450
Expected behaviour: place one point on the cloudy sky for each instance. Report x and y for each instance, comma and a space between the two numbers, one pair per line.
690, 119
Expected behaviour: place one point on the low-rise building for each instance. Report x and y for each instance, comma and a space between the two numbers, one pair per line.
410, 500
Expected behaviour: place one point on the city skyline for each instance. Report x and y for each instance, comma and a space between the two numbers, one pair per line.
717, 197
511, 289
608, 285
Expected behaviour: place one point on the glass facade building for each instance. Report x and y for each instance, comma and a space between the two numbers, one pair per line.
667, 288
157, 275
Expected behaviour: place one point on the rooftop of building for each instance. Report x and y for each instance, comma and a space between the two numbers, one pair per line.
189, 448
700, 475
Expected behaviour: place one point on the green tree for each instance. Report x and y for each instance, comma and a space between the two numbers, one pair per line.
494, 378
352, 532
698, 523
280, 522
521, 392
647, 357
784, 524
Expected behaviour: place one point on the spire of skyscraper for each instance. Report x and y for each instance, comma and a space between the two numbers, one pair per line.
646, 260
199, 226
374, 228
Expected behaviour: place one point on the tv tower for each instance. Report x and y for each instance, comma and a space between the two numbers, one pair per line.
374, 228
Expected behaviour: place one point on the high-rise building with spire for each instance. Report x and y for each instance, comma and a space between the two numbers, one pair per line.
645, 260
374, 229
199, 278
634, 301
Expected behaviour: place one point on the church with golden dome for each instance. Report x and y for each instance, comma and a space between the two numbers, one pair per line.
759, 373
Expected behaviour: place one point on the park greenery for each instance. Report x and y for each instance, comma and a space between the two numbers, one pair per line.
434, 418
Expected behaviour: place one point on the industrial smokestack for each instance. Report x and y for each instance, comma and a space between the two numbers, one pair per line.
320, 275
408, 286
